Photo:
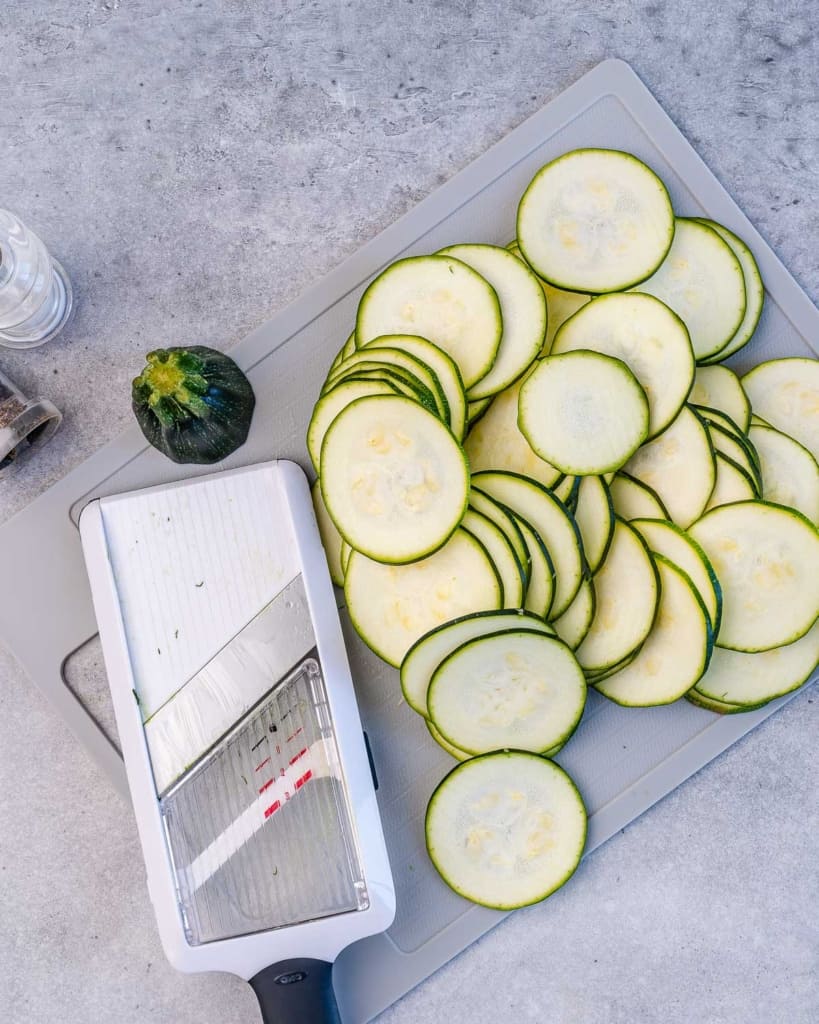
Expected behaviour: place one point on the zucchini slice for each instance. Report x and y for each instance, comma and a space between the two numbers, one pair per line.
344, 555
754, 290
346, 349
511, 690
718, 387
566, 490
501, 554
495, 442
595, 220
476, 409
459, 755
717, 706
427, 653
733, 484
523, 309
679, 467
627, 590
594, 514
506, 829
394, 480
438, 298
676, 651
632, 499
664, 538
702, 281
540, 590
402, 380
790, 475
559, 303
583, 412
575, 622
648, 337
549, 519
331, 404
391, 606
330, 537
748, 680
785, 393
766, 558
506, 522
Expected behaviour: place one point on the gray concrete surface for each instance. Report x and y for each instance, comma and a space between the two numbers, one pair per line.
195, 166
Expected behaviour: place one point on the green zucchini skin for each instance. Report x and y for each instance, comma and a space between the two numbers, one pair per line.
193, 404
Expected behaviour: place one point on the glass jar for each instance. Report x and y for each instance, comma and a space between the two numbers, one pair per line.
36, 301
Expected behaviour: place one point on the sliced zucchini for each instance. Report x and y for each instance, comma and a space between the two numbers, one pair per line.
679, 467
627, 591
740, 452
438, 298
566, 490
495, 442
583, 412
394, 480
664, 538
790, 475
754, 290
331, 404
346, 349
330, 537
459, 755
476, 409
717, 706
511, 690
648, 337
702, 281
676, 651
593, 678
757, 421
575, 622
550, 520
444, 368
540, 589
501, 554
766, 558
733, 484
718, 387
402, 379
391, 606
595, 220
748, 680
785, 393
523, 309
632, 499
594, 514
506, 522
427, 653
344, 555
506, 829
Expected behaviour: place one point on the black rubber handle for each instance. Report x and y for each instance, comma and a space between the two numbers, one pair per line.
298, 991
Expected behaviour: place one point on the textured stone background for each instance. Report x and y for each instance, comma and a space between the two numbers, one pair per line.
195, 166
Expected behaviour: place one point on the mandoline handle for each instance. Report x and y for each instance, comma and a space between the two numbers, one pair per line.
298, 991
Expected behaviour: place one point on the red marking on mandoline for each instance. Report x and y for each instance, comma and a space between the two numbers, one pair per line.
301, 753
272, 808
295, 734
260, 766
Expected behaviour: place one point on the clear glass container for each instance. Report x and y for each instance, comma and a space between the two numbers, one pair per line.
36, 300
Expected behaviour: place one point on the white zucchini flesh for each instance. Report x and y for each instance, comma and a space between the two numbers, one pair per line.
496, 442
427, 653
566, 489
510, 690
476, 409
733, 484
506, 522
766, 558
506, 830
679, 467
573, 625
785, 393
391, 606
750, 679
627, 590
399, 381
523, 310
549, 519
718, 387
459, 755
583, 412
331, 404
394, 479
676, 651
501, 554
699, 700
648, 337
540, 589
790, 474
754, 290
739, 452
344, 555
560, 304
594, 514
393, 357
438, 298
595, 220
442, 366
330, 537
702, 281
633, 499
664, 538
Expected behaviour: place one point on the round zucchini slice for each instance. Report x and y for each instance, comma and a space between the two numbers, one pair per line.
501, 554
575, 622
785, 393
595, 220
506, 829
766, 558
332, 403
330, 537
594, 514
391, 606
790, 475
718, 387
506, 522
583, 412
394, 480
540, 589
459, 755
733, 484
438, 298
632, 499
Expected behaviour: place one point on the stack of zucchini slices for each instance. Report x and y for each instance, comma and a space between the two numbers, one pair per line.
535, 475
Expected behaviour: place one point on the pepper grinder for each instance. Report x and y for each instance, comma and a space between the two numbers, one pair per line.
36, 301
24, 423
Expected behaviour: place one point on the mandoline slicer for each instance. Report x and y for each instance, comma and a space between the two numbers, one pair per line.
244, 750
